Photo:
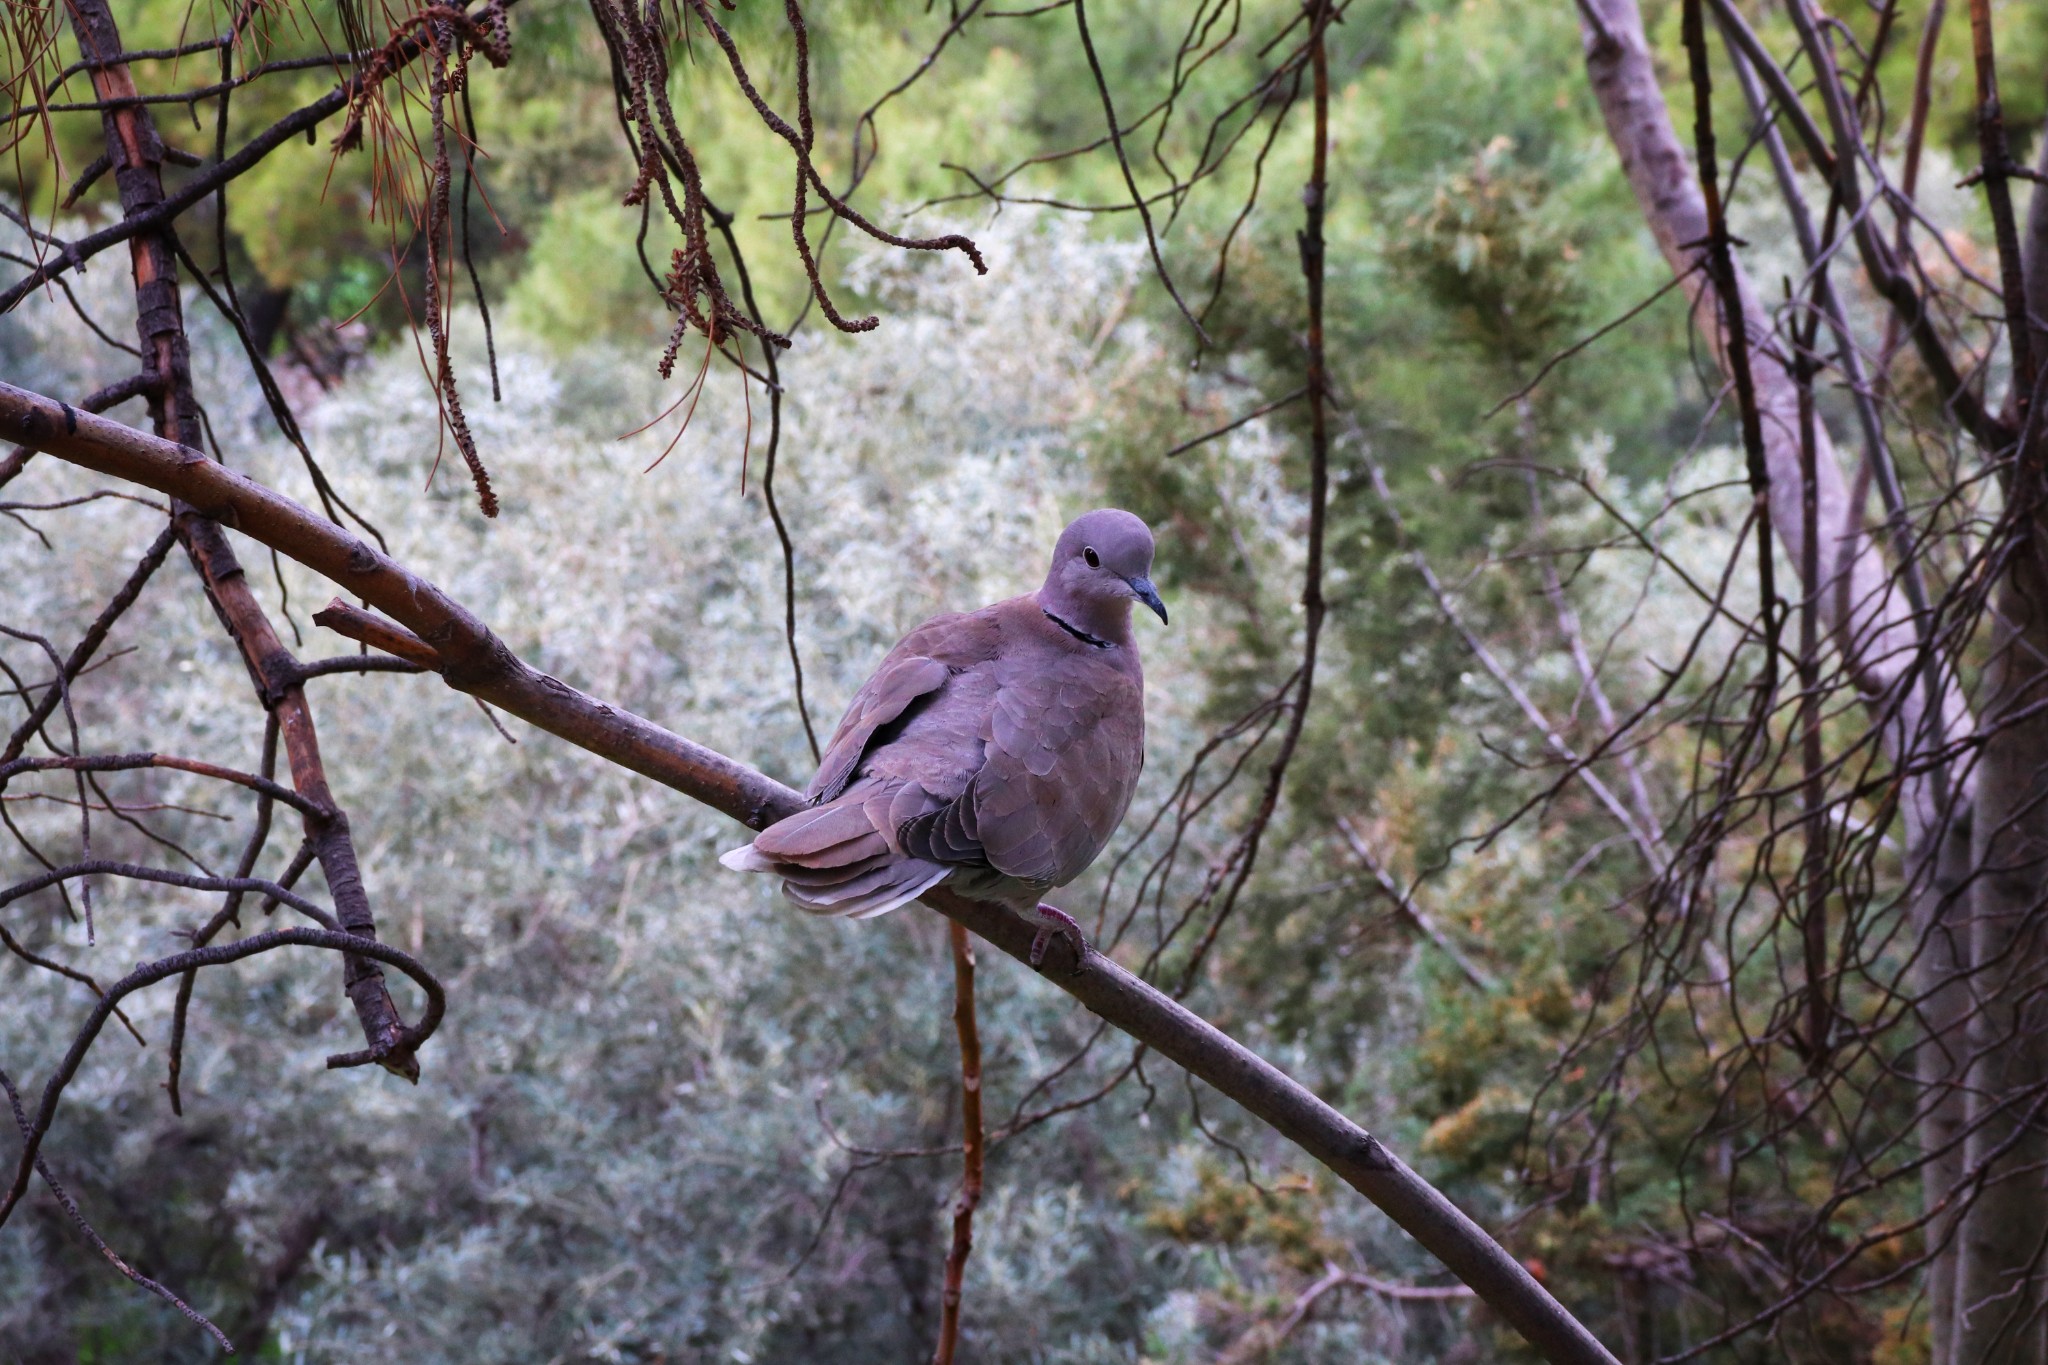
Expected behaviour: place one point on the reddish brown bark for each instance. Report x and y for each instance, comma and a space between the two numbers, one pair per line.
136, 154
971, 1145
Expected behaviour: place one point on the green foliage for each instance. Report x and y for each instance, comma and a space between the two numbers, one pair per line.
583, 278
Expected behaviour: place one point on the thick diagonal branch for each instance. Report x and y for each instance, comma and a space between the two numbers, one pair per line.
476, 661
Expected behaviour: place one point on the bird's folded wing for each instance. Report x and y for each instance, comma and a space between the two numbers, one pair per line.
1064, 744
916, 668
895, 687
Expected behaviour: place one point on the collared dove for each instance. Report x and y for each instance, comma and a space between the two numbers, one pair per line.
996, 749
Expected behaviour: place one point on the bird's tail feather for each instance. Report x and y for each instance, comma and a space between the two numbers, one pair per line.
871, 894
835, 860
747, 858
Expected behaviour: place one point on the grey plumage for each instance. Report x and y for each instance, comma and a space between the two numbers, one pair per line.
997, 748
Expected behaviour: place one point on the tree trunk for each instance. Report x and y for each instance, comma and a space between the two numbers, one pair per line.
1998, 1298
1942, 1058
2000, 1310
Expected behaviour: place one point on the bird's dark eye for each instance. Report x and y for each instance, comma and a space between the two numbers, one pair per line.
1094, 559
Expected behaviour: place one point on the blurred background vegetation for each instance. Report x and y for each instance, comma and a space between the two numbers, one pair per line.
646, 1132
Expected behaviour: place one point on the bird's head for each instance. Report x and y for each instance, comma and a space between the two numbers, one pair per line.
1102, 564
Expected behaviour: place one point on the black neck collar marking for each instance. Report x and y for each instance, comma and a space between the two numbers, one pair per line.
1083, 636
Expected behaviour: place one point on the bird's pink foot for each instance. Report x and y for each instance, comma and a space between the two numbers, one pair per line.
1053, 920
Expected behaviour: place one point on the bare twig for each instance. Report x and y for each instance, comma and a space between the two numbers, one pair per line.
965, 1027
113, 1258
1405, 905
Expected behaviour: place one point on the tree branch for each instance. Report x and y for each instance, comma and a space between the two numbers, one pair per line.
138, 152
477, 662
1879, 261
971, 1144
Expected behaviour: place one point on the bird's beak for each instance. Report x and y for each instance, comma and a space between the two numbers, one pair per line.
1149, 595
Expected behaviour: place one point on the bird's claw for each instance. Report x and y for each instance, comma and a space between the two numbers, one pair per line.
1051, 921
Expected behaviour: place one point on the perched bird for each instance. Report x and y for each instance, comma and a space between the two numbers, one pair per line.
995, 749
